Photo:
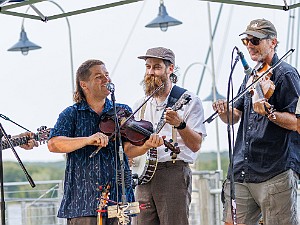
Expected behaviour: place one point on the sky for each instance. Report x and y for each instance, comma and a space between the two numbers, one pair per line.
37, 87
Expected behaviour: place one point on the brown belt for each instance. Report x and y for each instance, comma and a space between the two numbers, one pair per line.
170, 163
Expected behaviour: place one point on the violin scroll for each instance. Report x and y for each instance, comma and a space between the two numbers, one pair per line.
262, 90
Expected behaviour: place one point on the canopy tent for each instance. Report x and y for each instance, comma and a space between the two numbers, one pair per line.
8, 7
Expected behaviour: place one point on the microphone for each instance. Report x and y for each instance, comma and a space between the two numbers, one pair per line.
247, 68
110, 86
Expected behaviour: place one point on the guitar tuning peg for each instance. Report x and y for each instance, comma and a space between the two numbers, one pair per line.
175, 144
42, 128
166, 149
171, 140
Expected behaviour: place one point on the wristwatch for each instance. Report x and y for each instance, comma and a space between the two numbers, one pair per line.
181, 126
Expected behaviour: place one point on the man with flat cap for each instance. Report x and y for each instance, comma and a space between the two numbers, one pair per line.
266, 155
167, 192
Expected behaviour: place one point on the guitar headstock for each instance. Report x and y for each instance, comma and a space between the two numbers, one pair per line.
184, 99
42, 134
174, 148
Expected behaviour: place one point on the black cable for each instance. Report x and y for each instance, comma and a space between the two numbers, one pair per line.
230, 140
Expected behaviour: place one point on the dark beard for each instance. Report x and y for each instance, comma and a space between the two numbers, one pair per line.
151, 83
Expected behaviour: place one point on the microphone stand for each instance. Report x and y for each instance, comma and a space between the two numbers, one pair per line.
123, 211
121, 216
232, 187
1, 181
30, 180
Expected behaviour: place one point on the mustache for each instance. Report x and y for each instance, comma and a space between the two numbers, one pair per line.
151, 83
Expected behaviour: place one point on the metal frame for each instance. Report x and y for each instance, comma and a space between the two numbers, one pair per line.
284, 7
7, 8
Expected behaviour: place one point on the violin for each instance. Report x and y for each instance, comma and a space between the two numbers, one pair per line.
264, 89
137, 132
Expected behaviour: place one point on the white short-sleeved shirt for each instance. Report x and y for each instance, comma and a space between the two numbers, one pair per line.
192, 113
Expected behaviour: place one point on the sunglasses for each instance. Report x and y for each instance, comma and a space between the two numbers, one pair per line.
255, 41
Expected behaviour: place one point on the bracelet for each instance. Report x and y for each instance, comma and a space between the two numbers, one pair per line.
181, 126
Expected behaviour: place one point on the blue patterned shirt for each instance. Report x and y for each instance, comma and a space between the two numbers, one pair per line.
84, 175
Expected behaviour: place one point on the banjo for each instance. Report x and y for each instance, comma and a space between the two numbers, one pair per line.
143, 167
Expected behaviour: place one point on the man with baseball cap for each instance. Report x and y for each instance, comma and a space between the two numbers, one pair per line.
266, 155
168, 191
260, 28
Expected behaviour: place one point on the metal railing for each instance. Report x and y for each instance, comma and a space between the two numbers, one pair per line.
206, 203
39, 206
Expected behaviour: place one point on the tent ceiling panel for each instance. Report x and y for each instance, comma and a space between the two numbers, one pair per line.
10, 7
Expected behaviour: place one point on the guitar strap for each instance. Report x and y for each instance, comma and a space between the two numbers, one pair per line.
175, 94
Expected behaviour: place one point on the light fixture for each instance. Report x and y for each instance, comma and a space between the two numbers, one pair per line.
24, 45
163, 20
211, 96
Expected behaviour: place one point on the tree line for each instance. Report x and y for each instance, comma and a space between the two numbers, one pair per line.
45, 171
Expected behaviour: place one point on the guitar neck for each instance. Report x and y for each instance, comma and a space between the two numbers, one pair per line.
15, 142
41, 136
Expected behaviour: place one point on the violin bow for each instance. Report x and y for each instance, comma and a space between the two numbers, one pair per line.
215, 114
146, 100
129, 117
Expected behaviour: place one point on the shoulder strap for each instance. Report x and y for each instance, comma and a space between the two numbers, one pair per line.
175, 94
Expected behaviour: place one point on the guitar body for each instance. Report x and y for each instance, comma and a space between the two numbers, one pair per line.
144, 166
